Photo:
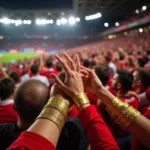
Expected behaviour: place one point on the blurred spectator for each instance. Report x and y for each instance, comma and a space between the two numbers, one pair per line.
35, 75
15, 76
7, 112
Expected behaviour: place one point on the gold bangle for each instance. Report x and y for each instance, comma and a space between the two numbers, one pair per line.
81, 100
53, 115
123, 114
59, 103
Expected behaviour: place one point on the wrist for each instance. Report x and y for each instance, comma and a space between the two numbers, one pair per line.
80, 101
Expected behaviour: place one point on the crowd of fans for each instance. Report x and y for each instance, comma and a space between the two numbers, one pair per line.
25, 88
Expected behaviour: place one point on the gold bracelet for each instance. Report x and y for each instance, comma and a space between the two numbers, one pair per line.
53, 115
58, 103
55, 110
81, 100
123, 114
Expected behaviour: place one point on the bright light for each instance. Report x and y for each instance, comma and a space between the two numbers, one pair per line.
43, 21
1, 37
140, 30
95, 16
72, 20
117, 24
77, 19
64, 20
137, 11
58, 22
106, 24
110, 36
144, 8
26, 21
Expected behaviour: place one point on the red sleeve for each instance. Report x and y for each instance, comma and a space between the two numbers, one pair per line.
73, 113
96, 130
148, 94
31, 141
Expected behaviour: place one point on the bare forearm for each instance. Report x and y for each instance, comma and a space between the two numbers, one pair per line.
47, 129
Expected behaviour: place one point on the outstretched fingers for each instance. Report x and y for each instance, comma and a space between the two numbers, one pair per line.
64, 65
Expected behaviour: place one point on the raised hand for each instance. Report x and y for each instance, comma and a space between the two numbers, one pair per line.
90, 80
73, 84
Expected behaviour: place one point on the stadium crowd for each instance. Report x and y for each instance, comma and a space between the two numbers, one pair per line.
97, 99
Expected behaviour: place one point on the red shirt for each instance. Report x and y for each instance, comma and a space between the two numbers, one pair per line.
73, 113
31, 141
7, 113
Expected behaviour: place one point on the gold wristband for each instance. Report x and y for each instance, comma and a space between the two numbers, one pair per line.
53, 115
123, 114
81, 100
59, 104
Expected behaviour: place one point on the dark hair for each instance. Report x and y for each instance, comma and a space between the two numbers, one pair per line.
102, 71
86, 63
49, 63
62, 76
7, 86
125, 78
34, 69
141, 62
107, 58
29, 101
15, 76
121, 56
148, 52
144, 76
58, 67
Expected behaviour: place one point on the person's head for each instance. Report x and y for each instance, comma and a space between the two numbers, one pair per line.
15, 76
58, 67
49, 63
7, 87
29, 99
122, 81
86, 63
107, 59
141, 62
141, 80
102, 71
34, 69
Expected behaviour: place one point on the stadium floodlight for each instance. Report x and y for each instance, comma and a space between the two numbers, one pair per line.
77, 19
144, 8
137, 11
117, 24
5, 20
58, 22
106, 24
27, 22
72, 20
140, 30
95, 16
63, 20
18, 22
51, 21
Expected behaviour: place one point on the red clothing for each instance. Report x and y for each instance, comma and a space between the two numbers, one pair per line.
122, 64
93, 99
31, 141
47, 72
98, 134
93, 125
7, 113
73, 113
131, 100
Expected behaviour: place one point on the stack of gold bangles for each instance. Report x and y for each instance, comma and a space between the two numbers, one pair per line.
56, 109
122, 113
